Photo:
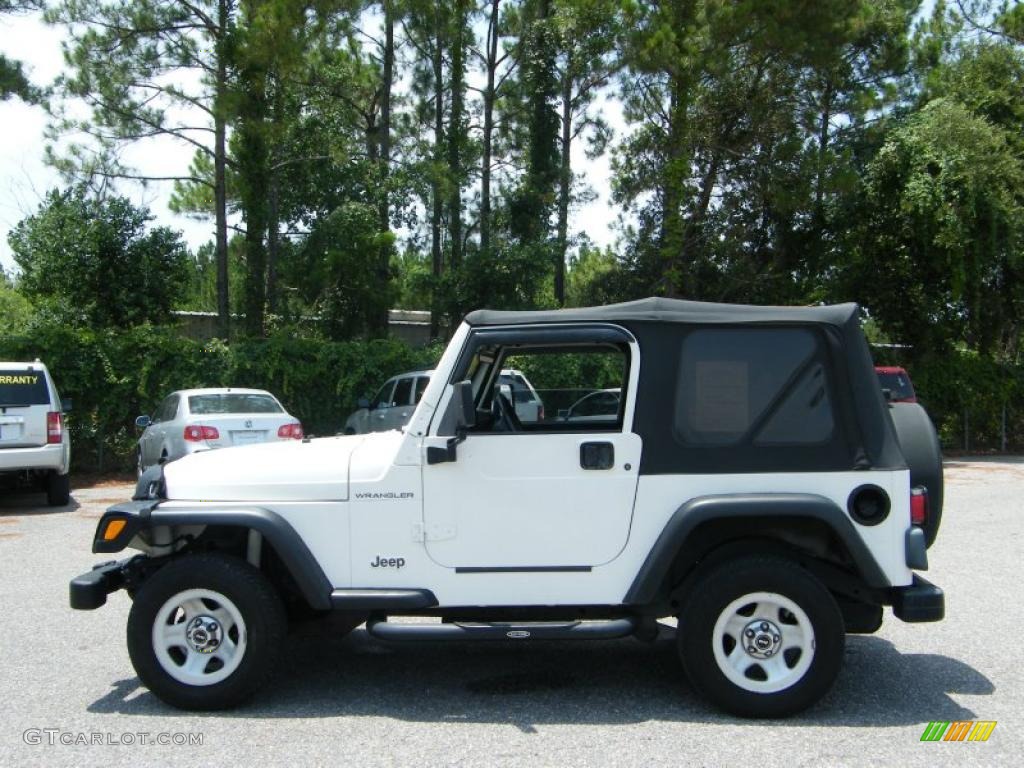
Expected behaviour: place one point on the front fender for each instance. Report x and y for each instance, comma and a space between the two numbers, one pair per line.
143, 516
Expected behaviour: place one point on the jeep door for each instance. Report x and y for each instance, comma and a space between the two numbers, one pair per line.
548, 495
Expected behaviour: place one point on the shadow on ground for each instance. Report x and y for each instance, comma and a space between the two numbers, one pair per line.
526, 685
20, 502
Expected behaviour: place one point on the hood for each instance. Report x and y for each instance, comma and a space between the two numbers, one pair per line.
286, 470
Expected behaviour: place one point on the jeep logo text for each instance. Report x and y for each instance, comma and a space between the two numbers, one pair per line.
388, 562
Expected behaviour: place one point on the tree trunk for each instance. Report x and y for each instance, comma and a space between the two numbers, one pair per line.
673, 268
488, 131
455, 136
384, 209
542, 164
823, 131
695, 224
254, 185
220, 175
273, 243
437, 263
564, 181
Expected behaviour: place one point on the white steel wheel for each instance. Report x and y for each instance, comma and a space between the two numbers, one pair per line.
763, 642
199, 637
760, 636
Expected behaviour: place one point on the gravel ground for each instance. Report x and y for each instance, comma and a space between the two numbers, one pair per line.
599, 703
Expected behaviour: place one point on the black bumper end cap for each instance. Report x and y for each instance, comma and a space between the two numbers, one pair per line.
89, 591
920, 602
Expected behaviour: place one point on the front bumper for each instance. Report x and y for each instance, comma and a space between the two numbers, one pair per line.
89, 591
919, 602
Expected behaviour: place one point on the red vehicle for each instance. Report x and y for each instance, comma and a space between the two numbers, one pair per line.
897, 381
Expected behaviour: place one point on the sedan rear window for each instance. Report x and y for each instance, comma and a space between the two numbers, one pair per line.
897, 383
23, 387
232, 403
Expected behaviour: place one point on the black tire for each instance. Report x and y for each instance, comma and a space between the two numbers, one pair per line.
727, 584
58, 489
919, 443
261, 610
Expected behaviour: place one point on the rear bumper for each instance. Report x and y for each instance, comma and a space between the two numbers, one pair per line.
919, 602
53, 457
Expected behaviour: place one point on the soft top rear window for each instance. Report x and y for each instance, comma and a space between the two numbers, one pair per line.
232, 403
23, 387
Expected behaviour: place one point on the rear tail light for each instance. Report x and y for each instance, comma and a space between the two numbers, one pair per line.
290, 431
919, 505
196, 433
54, 427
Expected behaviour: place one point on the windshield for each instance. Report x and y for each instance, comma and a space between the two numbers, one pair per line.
23, 387
233, 403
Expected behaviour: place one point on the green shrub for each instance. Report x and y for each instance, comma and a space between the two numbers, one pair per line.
114, 375
965, 390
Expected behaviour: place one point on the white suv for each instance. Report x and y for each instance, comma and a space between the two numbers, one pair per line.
34, 445
749, 480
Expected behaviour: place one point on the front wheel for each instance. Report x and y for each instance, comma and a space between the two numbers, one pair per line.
204, 631
761, 637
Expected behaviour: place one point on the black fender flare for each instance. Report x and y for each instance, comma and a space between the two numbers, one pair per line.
651, 576
278, 532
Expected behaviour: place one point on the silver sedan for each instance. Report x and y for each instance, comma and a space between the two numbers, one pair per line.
192, 420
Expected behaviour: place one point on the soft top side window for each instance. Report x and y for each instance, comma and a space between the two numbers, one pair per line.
753, 387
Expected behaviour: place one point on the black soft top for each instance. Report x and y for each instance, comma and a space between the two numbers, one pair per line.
659, 323
673, 311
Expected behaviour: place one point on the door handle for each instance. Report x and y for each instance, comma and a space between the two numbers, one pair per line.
597, 455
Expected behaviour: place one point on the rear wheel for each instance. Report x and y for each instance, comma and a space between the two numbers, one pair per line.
58, 489
760, 637
204, 631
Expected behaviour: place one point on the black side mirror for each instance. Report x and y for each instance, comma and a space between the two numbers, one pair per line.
65, 405
465, 408
887, 394
143, 421
363, 402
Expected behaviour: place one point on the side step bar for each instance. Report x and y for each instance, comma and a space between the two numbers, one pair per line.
541, 630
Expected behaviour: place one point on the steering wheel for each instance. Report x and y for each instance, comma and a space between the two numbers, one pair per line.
504, 413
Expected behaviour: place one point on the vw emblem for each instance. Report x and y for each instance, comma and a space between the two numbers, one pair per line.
248, 423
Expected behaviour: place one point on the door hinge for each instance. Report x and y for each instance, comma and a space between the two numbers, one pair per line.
422, 532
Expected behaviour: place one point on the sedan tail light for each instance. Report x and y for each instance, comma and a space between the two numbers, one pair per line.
196, 433
919, 505
290, 431
54, 427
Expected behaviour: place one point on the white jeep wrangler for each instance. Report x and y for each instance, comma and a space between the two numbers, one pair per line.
752, 482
